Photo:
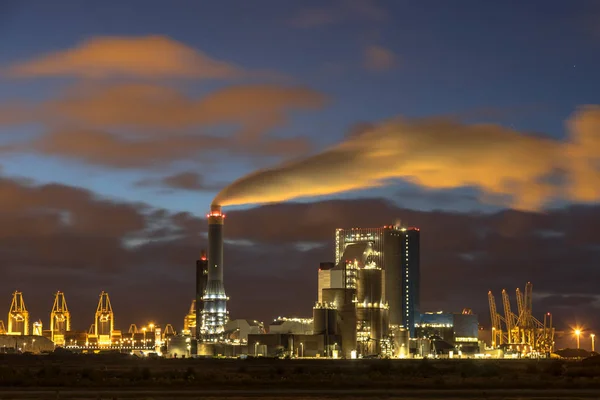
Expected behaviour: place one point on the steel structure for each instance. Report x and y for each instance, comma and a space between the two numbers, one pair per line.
133, 329
2, 328
189, 321
104, 321
521, 331
60, 319
38, 328
169, 331
18, 316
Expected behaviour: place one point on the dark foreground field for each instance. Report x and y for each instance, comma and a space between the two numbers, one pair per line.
115, 377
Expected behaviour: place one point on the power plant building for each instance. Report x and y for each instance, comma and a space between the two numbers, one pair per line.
329, 278
396, 251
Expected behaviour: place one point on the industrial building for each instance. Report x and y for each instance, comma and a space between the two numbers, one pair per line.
450, 332
396, 250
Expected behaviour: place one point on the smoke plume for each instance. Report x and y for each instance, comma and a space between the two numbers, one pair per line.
507, 166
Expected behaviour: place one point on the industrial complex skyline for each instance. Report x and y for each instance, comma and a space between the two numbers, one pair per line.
301, 121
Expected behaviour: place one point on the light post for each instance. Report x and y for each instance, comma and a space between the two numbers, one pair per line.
593, 340
144, 330
577, 334
302, 347
255, 349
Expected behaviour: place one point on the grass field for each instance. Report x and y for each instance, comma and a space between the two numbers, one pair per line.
126, 372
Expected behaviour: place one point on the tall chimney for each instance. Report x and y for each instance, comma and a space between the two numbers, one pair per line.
215, 300
201, 280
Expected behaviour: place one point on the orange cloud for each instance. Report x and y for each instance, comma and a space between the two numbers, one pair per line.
146, 113
161, 107
112, 150
143, 57
503, 163
378, 58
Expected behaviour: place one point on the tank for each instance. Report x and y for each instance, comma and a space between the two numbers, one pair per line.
370, 286
325, 321
347, 327
401, 343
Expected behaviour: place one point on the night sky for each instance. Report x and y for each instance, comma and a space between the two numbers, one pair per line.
473, 120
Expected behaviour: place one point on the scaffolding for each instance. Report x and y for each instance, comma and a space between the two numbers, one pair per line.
521, 332
18, 316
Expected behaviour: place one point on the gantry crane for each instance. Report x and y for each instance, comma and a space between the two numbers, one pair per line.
189, 321
169, 331
523, 331
133, 329
2, 328
18, 316
104, 321
60, 319
497, 336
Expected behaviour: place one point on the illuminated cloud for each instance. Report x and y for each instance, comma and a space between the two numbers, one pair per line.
147, 118
510, 168
378, 58
161, 107
112, 150
138, 57
71, 239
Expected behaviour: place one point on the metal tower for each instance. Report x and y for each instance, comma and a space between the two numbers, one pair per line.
104, 321
60, 319
2, 328
18, 316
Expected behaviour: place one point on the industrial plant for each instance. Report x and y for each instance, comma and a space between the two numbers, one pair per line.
367, 306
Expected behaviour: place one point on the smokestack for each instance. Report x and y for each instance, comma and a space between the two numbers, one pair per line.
215, 300
201, 280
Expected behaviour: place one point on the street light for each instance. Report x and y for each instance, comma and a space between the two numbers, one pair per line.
577, 334
255, 349
593, 340
302, 346
144, 330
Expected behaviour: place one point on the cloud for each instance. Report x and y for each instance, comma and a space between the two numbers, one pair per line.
64, 238
161, 107
509, 168
146, 117
184, 180
137, 57
379, 58
112, 150
339, 12
509, 252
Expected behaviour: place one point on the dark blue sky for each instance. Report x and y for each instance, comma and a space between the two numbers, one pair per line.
525, 65
125, 114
